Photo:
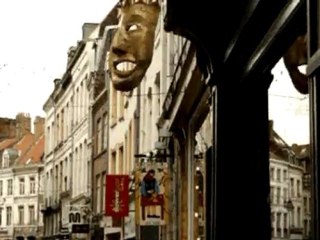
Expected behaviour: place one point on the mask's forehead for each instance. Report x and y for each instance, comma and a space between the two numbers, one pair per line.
139, 12
129, 2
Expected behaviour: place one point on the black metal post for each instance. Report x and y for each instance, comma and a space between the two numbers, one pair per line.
314, 99
241, 174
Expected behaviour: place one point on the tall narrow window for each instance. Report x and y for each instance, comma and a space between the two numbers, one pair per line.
285, 220
21, 186
305, 207
77, 106
58, 129
292, 187
32, 185
105, 131
32, 219
48, 139
284, 175
99, 135
53, 136
121, 163
60, 176
285, 194
271, 194
113, 167
81, 98
62, 125
298, 188
1, 187
279, 175
21, 215
278, 195
66, 120
1, 210
98, 190
298, 217
114, 105
104, 191
278, 224
9, 185
9, 215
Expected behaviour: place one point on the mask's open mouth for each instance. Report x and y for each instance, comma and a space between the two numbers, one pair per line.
124, 67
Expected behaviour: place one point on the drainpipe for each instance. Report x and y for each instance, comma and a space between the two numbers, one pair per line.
137, 140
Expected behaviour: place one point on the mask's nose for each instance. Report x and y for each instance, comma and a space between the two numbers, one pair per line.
119, 46
119, 51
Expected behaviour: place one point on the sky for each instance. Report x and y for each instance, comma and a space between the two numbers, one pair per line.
288, 109
36, 36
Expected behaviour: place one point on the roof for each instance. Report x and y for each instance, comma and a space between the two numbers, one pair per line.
278, 147
33, 154
25, 143
7, 143
280, 150
301, 151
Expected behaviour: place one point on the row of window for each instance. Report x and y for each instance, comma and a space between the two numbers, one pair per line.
22, 188
75, 109
59, 179
275, 174
21, 215
279, 195
282, 222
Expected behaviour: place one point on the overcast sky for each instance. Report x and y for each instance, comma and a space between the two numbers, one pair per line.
288, 108
35, 37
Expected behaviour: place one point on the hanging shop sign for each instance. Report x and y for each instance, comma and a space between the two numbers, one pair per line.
151, 185
117, 195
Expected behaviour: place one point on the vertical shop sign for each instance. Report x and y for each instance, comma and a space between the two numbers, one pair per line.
117, 195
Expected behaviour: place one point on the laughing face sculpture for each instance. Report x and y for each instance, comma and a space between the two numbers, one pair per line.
131, 49
297, 56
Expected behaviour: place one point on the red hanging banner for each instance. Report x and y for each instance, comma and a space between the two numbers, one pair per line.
117, 195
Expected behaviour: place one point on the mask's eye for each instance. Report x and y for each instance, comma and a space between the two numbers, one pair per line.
132, 27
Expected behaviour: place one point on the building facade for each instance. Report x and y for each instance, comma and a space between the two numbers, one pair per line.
290, 194
68, 151
99, 92
21, 189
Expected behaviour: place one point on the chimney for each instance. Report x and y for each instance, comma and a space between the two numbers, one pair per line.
270, 125
23, 124
38, 127
56, 82
71, 52
270, 129
87, 29
7, 128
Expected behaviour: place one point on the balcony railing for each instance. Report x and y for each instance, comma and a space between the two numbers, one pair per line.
28, 230
296, 230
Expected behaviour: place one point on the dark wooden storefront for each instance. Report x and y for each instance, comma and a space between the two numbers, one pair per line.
238, 43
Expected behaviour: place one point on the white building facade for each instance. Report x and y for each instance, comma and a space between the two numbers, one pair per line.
290, 194
67, 161
21, 198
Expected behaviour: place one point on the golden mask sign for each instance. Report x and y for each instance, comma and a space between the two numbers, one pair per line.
132, 46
